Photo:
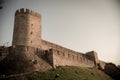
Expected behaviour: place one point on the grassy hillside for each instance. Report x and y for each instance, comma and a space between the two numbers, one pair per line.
65, 73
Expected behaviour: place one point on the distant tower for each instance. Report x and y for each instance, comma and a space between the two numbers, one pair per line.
27, 28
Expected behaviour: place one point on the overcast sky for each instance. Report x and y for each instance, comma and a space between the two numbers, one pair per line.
81, 25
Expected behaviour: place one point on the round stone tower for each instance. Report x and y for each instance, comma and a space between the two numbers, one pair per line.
27, 28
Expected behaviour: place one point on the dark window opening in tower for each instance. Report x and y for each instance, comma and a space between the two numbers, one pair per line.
31, 33
68, 55
58, 52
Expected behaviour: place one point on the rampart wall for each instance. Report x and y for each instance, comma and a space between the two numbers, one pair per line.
63, 56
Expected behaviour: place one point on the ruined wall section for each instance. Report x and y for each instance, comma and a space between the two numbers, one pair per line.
27, 28
63, 56
92, 55
24, 59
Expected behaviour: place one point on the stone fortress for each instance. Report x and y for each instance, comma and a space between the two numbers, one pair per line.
30, 53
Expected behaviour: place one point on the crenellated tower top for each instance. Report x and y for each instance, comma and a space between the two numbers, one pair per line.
26, 11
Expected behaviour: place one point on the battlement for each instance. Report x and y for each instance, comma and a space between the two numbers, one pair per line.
27, 11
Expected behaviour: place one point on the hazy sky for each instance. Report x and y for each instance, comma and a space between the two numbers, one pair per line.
81, 25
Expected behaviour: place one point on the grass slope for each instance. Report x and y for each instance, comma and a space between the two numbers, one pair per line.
65, 73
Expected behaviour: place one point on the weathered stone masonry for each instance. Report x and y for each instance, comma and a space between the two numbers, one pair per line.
63, 56
30, 53
27, 28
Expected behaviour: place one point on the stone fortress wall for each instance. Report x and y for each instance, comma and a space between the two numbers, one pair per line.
66, 57
27, 32
32, 53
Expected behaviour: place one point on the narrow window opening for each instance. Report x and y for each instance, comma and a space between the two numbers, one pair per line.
58, 52
68, 55
31, 33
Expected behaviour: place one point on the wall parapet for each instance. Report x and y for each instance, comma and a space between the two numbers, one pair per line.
27, 11
58, 47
